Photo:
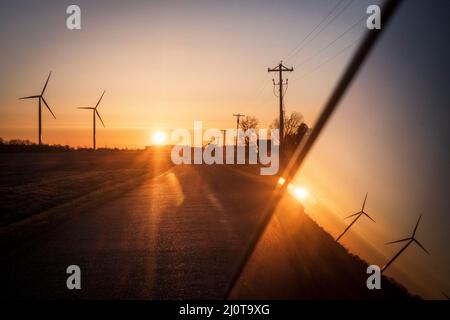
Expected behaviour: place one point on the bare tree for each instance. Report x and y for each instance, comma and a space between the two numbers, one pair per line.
249, 122
302, 131
291, 123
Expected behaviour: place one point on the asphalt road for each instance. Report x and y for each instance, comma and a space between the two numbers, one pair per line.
178, 235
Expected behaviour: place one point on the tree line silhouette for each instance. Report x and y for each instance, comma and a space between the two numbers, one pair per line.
25, 145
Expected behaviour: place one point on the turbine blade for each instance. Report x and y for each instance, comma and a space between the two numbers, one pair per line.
364, 203
99, 100
402, 240
420, 245
352, 215
45, 102
417, 225
369, 217
45, 86
88, 108
29, 97
98, 114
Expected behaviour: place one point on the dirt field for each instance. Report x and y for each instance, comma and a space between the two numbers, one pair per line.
33, 182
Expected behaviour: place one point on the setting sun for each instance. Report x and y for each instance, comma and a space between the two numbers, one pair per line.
159, 138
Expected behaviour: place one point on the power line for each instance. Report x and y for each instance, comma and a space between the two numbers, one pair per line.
313, 30
299, 46
329, 59
356, 63
323, 28
273, 88
263, 102
262, 86
285, 87
332, 42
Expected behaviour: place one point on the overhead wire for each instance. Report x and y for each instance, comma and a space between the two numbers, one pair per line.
313, 30
322, 29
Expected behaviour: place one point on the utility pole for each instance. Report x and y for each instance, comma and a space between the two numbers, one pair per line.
280, 69
224, 147
238, 117
224, 136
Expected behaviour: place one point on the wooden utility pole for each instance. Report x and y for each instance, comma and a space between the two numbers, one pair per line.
238, 117
280, 69
224, 132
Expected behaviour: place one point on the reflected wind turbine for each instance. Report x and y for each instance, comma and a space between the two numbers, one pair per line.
358, 215
410, 240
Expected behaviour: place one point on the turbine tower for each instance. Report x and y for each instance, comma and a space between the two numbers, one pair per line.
94, 114
410, 240
41, 99
358, 215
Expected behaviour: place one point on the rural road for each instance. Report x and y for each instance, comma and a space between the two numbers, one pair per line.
178, 235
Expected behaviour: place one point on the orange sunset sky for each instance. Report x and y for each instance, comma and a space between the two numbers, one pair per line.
163, 66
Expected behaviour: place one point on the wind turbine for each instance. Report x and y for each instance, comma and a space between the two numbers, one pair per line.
41, 99
445, 295
410, 240
94, 114
358, 215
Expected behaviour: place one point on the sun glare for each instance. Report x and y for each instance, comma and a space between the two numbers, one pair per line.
300, 193
159, 138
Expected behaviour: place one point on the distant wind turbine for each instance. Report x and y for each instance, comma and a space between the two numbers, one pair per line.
358, 215
410, 240
41, 99
94, 114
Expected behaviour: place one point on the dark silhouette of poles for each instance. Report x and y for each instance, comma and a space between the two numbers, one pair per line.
355, 64
280, 69
238, 118
224, 132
